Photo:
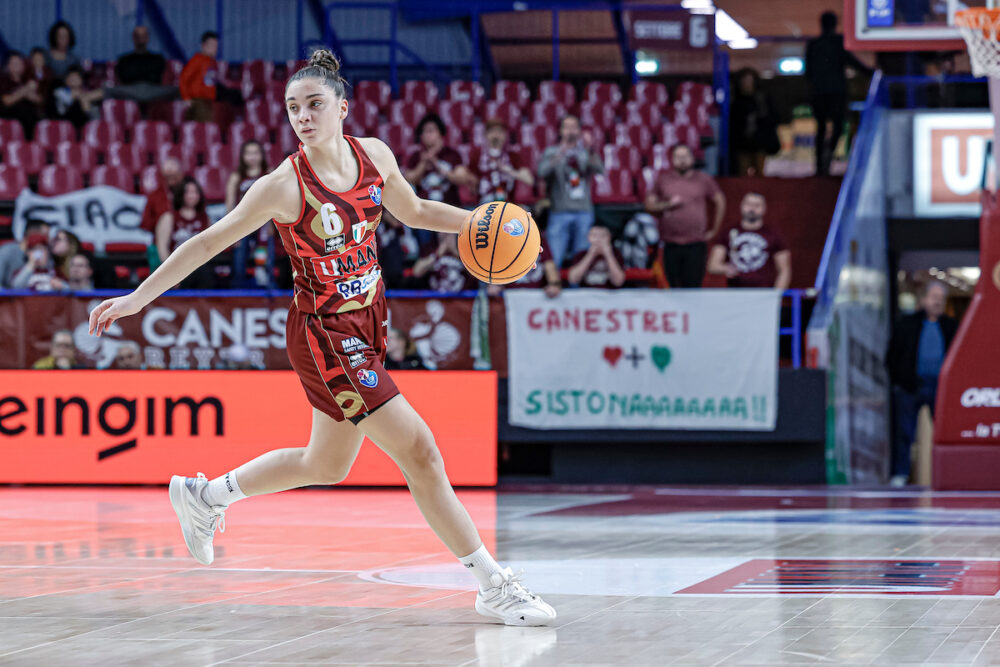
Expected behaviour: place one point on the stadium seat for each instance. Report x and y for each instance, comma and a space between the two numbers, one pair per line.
364, 113
124, 112
453, 135
286, 138
695, 93
477, 135
507, 111
595, 113
639, 136
12, 181
398, 137
524, 194
149, 179
226, 156
644, 184
469, 92
459, 114
604, 92
424, 92
172, 113
186, 155
275, 154
199, 135
649, 92
56, 179
641, 113
172, 72
622, 157
560, 92
540, 136
512, 91
10, 130
24, 155
50, 133
378, 92
127, 155
72, 154
660, 156
116, 177
597, 136
269, 113
353, 128
615, 186
213, 182
98, 134
293, 66
402, 112
530, 156
256, 75
546, 113
241, 131
149, 135
274, 91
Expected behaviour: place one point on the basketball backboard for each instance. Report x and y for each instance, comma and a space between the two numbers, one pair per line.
905, 25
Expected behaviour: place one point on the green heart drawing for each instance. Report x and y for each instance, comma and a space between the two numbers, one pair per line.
661, 357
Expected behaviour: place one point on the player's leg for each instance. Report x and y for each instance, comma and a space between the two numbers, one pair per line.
400, 432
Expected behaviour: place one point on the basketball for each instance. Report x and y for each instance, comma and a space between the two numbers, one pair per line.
499, 243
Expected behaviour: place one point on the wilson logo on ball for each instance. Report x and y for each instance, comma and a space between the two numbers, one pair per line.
483, 227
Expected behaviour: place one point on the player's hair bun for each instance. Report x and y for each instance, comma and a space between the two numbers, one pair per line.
324, 58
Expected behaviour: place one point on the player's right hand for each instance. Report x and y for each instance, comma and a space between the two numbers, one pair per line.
105, 314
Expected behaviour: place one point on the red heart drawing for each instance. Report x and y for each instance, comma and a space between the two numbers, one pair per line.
612, 355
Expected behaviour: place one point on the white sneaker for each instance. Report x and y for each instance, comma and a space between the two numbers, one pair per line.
198, 519
512, 603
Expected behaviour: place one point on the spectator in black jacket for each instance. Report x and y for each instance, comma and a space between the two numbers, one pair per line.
140, 72
826, 59
916, 351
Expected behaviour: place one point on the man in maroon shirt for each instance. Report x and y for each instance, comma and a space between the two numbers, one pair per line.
600, 265
161, 199
680, 196
752, 254
496, 169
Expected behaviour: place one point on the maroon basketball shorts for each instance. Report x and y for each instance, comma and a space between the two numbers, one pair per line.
338, 359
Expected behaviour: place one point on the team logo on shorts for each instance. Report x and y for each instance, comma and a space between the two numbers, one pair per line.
513, 227
375, 192
368, 378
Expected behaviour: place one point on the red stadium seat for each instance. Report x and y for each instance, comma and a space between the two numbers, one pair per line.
24, 155
477, 135
602, 91
57, 179
241, 131
172, 113
402, 112
645, 183
641, 113
424, 92
287, 139
524, 194
149, 180
258, 73
149, 135
459, 114
540, 136
378, 92
398, 137
172, 72
186, 155
690, 137
51, 133
72, 154
293, 66
469, 92
275, 155
639, 136
622, 157
594, 113
98, 134
269, 113
597, 136
507, 111
213, 182
124, 112
454, 135
512, 91
615, 186
115, 177
364, 112
274, 91
530, 156
560, 92
353, 128
12, 181
546, 113
10, 130
226, 156
695, 93
668, 135
200, 135
129, 156
649, 92
660, 159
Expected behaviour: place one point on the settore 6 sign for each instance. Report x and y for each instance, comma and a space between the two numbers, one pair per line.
949, 156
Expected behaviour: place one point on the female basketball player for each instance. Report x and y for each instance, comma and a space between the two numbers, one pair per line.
326, 201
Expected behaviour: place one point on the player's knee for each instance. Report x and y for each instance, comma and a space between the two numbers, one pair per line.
423, 458
325, 472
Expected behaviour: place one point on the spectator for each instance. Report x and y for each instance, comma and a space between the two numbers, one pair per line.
13, 256
20, 95
80, 274
680, 196
63, 246
39, 272
436, 170
252, 165
128, 357
187, 218
752, 254
826, 59
62, 354
496, 169
140, 72
401, 353
39, 71
754, 125
236, 357
161, 199
398, 248
600, 265
73, 102
60, 57
199, 81
543, 274
443, 268
917, 349
567, 168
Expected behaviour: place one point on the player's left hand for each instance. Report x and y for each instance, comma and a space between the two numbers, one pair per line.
105, 314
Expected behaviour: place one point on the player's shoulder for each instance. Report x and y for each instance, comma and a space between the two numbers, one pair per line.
379, 153
278, 191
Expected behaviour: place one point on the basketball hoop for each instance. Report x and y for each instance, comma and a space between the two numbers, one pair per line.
979, 27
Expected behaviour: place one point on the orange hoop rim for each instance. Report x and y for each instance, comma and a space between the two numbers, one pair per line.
978, 17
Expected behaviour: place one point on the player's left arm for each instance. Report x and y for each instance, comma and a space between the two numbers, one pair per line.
783, 261
398, 197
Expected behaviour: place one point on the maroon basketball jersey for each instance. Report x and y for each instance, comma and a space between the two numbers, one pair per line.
332, 244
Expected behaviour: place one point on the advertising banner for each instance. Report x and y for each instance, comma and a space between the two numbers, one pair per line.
949, 156
97, 215
141, 427
674, 359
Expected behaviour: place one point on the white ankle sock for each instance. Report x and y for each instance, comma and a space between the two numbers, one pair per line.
223, 490
481, 564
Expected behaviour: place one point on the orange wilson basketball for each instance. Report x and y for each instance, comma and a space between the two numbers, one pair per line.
499, 243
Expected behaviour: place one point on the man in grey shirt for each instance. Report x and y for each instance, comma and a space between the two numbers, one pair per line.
567, 168
14, 255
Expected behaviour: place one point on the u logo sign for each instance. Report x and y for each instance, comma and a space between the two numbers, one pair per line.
332, 224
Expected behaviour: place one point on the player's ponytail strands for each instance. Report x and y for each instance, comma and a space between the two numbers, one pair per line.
324, 66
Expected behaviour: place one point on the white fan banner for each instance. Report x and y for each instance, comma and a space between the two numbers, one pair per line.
97, 215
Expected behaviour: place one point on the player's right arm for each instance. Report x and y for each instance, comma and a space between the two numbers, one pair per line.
275, 195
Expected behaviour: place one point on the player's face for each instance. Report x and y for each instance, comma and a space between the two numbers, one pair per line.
314, 110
